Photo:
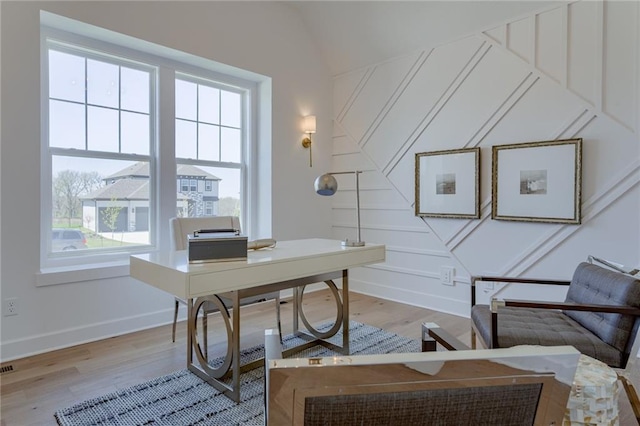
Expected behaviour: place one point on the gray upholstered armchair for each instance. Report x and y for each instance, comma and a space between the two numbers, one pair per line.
600, 315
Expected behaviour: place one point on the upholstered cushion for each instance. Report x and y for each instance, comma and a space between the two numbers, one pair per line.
523, 326
594, 285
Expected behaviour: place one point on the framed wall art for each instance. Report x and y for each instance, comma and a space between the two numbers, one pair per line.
448, 184
537, 181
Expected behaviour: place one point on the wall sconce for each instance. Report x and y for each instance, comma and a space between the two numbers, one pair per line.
328, 185
309, 127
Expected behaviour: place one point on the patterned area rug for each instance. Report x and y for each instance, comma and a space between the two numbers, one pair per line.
182, 398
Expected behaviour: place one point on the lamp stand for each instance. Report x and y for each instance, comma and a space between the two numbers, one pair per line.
359, 242
326, 184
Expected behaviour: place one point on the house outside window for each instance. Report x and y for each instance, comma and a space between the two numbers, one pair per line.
100, 121
100, 147
208, 208
211, 135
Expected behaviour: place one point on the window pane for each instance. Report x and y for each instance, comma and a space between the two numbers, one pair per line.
135, 133
186, 100
106, 200
66, 76
134, 90
230, 107
209, 105
223, 193
230, 146
66, 125
208, 142
186, 139
103, 83
102, 129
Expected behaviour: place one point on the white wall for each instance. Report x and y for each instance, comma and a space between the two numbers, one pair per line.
263, 37
569, 71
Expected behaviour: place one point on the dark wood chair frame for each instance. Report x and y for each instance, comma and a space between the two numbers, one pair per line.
624, 310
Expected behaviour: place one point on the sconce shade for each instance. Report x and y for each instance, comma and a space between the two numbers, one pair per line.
326, 184
310, 124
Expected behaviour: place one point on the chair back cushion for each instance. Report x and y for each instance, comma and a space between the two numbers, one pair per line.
592, 284
182, 226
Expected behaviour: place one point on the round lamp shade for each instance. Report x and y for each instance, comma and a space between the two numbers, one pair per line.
326, 184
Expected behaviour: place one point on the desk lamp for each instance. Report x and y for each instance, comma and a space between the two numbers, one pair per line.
327, 185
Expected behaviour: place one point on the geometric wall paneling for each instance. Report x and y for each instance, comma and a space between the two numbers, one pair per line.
570, 71
568, 44
609, 149
418, 99
584, 52
345, 90
342, 145
550, 56
379, 87
484, 90
519, 39
472, 105
533, 122
620, 62
497, 34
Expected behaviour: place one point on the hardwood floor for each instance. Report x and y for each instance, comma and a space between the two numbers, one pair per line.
41, 384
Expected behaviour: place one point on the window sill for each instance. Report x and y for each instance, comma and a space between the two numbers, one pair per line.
77, 273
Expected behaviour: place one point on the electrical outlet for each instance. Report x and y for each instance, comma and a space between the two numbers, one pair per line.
446, 275
10, 307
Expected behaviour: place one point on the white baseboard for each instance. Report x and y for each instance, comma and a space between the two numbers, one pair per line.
429, 301
34, 345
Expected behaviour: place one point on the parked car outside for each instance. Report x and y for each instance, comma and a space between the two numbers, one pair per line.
67, 239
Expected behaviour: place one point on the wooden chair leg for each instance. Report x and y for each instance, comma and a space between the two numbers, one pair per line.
277, 299
175, 320
473, 338
632, 395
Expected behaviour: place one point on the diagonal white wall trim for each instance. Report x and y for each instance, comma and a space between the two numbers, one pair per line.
615, 189
355, 93
534, 78
394, 97
473, 61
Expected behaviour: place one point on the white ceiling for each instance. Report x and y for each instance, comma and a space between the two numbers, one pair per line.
353, 34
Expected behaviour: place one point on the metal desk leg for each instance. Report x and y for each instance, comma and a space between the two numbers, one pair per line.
235, 362
190, 330
296, 308
345, 312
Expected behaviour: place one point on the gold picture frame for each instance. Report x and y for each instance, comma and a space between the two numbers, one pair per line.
537, 181
447, 183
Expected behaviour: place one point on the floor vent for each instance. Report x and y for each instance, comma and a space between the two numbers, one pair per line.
6, 369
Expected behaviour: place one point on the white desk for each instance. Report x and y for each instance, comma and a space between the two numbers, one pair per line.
291, 264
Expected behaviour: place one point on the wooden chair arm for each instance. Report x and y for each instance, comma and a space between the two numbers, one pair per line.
432, 333
513, 280
519, 280
625, 310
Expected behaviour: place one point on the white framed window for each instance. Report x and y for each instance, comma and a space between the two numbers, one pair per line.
208, 208
98, 153
210, 142
104, 156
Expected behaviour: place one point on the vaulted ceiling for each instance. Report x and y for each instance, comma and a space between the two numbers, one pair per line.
353, 34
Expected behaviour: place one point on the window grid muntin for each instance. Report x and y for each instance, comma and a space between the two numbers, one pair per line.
200, 81
52, 151
87, 55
